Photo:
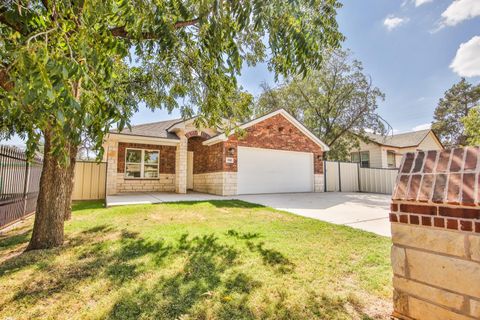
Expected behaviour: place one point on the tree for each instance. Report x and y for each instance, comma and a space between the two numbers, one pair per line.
472, 126
70, 69
451, 109
337, 103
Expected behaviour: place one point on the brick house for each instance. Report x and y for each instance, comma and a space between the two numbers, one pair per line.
276, 154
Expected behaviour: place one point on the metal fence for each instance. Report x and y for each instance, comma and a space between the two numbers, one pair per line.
350, 177
19, 184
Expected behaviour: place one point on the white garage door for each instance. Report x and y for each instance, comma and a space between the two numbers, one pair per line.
273, 171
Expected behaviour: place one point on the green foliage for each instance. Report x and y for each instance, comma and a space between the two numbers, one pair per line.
338, 102
74, 68
472, 126
451, 109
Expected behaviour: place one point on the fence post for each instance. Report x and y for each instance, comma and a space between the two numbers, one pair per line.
358, 175
26, 187
324, 175
339, 177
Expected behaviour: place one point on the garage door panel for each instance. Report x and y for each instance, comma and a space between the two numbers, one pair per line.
273, 171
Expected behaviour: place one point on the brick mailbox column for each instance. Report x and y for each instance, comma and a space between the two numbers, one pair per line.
435, 218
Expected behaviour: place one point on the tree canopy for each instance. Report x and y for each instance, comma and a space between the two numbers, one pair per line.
472, 126
70, 69
452, 109
338, 102
77, 67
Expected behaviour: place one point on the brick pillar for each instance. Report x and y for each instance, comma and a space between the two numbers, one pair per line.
181, 165
435, 217
111, 157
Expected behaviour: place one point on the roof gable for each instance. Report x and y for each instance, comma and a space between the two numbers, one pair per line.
286, 115
402, 140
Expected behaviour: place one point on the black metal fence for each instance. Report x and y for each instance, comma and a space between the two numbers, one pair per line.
19, 184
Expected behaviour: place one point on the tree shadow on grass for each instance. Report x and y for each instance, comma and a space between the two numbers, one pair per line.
21, 237
116, 260
205, 261
272, 257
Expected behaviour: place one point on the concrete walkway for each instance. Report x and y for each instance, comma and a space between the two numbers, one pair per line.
158, 197
364, 211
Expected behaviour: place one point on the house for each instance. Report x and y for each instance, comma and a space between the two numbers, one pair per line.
387, 151
276, 154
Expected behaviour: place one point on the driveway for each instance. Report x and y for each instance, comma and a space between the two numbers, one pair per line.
366, 211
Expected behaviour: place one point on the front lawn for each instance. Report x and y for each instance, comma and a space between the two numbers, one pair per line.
199, 260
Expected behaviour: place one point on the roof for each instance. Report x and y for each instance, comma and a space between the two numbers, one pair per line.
283, 112
154, 129
162, 129
402, 140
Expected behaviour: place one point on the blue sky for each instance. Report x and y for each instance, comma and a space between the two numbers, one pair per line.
406, 46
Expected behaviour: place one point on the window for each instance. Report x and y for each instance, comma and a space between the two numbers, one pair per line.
140, 163
362, 157
391, 159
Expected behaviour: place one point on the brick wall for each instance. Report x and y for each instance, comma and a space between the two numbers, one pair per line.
206, 159
277, 133
435, 216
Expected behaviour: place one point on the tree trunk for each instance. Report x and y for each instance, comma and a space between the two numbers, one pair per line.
70, 181
50, 212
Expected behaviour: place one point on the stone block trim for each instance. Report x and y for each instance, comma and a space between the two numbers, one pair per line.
164, 183
435, 217
219, 183
319, 183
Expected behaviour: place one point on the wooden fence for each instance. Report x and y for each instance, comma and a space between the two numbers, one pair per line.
90, 180
19, 184
350, 177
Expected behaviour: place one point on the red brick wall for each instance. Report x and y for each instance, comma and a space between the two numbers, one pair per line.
206, 158
167, 156
276, 133
439, 189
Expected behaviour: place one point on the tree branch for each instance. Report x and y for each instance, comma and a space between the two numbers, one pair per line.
5, 82
15, 25
122, 33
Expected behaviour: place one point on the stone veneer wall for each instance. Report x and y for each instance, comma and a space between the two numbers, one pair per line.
220, 183
435, 217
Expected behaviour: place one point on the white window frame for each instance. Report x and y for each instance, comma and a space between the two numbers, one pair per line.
142, 164
359, 153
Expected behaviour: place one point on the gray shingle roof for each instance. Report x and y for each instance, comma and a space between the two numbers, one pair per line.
402, 140
153, 129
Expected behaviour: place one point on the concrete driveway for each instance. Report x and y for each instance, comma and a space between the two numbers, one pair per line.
364, 211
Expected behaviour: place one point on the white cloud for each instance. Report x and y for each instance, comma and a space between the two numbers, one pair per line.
460, 10
392, 22
467, 60
418, 3
423, 126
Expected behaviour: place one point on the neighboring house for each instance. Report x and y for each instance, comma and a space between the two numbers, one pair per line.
277, 154
387, 151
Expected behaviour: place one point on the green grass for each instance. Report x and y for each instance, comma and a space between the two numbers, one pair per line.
196, 260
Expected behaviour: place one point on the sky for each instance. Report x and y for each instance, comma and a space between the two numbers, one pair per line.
414, 50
